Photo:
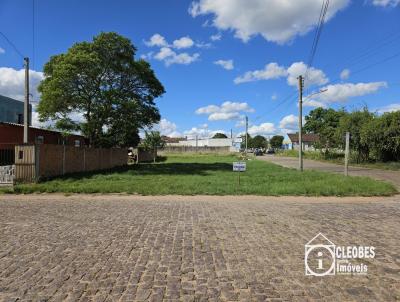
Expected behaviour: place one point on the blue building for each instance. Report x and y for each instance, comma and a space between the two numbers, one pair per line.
12, 111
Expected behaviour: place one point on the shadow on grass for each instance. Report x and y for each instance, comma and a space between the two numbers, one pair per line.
152, 169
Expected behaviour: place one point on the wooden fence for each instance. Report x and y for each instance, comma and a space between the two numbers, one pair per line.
33, 162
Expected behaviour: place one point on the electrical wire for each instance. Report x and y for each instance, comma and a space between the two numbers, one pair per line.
12, 45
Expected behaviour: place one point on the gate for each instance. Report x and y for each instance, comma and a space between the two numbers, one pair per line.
25, 159
7, 161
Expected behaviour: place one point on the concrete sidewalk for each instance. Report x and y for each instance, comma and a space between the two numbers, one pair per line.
293, 162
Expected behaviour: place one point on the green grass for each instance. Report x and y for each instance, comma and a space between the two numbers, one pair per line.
210, 174
338, 158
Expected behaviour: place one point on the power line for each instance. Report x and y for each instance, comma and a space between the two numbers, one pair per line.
317, 36
12, 45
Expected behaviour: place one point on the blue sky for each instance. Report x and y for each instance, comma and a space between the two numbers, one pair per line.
220, 60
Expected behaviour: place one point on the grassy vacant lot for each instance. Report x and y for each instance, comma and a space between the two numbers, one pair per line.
337, 158
210, 174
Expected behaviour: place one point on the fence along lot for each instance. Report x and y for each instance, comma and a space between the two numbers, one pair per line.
41, 161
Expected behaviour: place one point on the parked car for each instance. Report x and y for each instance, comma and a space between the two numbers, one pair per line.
258, 152
270, 151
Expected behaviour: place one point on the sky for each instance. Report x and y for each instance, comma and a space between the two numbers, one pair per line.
220, 60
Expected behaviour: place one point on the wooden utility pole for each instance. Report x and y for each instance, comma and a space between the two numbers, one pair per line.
346, 154
301, 123
247, 128
26, 103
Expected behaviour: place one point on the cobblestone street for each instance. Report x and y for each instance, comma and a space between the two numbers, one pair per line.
196, 248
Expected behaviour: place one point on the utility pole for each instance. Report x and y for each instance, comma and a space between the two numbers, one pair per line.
247, 128
301, 123
26, 103
197, 142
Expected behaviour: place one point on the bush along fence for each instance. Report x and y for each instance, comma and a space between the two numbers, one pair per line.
34, 162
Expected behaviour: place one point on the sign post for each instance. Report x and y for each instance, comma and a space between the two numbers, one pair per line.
239, 166
346, 154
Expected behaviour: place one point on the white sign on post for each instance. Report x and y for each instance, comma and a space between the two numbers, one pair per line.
239, 166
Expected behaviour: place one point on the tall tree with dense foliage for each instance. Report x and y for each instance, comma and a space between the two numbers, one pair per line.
153, 141
259, 141
276, 141
382, 134
354, 122
112, 94
219, 135
324, 122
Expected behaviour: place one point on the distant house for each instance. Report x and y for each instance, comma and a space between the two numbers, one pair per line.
12, 111
309, 139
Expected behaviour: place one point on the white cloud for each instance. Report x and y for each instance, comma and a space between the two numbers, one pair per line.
314, 104
182, 58
184, 42
216, 37
156, 40
202, 132
274, 71
274, 97
342, 92
203, 45
227, 111
226, 64
385, 3
276, 20
12, 83
345, 74
170, 57
312, 77
223, 116
270, 71
289, 122
262, 129
167, 128
389, 108
164, 53
2, 50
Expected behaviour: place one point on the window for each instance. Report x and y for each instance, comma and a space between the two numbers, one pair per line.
77, 143
39, 139
20, 119
21, 154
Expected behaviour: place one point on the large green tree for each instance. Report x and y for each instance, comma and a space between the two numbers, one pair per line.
354, 122
259, 141
100, 82
382, 135
324, 122
219, 135
276, 141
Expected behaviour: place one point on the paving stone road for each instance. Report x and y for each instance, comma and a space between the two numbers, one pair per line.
198, 248
293, 162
